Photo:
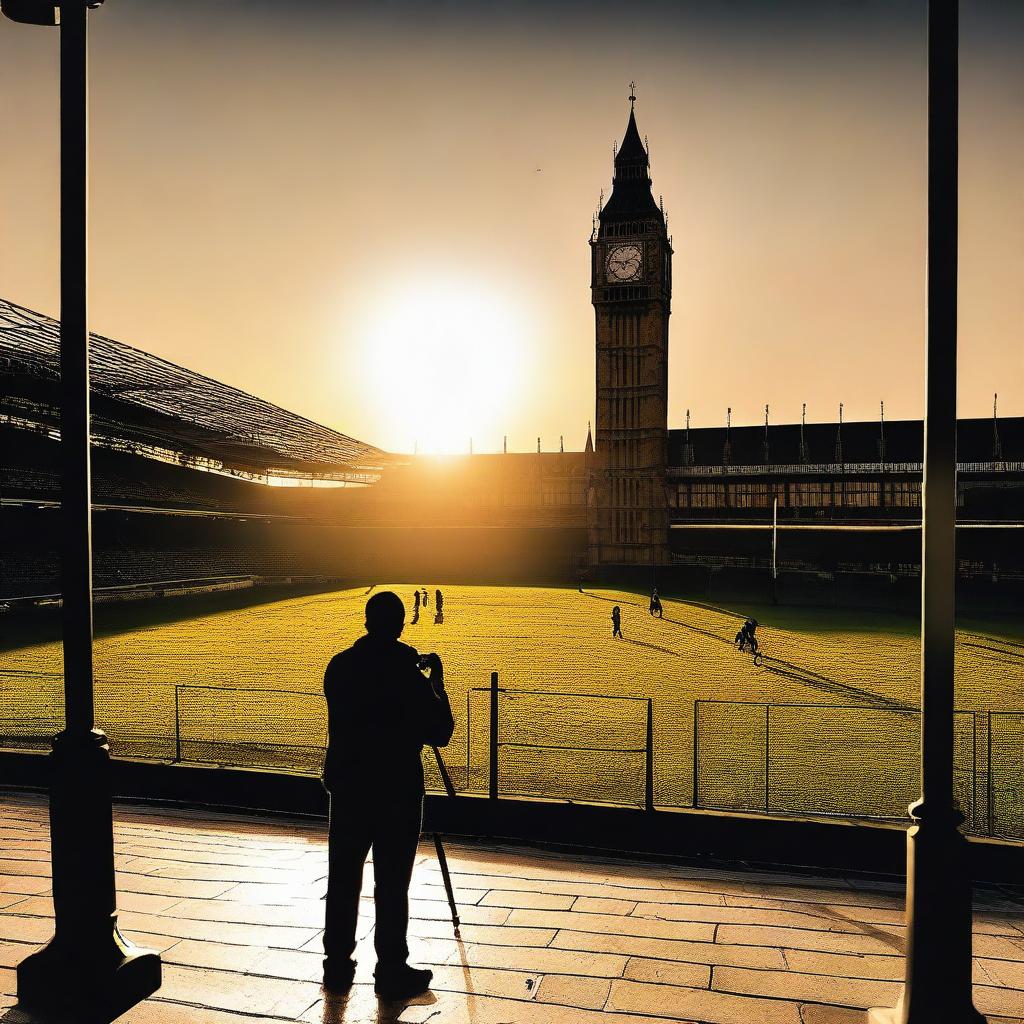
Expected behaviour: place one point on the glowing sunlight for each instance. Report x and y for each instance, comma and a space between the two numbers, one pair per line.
446, 362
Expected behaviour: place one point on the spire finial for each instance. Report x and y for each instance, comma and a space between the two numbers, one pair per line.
997, 445
632, 95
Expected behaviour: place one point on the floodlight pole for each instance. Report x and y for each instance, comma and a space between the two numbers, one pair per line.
937, 984
87, 971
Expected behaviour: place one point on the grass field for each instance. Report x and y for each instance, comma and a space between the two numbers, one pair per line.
151, 659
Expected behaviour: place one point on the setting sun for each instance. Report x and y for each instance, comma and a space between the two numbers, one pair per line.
446, 363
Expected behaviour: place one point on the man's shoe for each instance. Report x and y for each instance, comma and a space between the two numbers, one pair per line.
338, 974
401, 982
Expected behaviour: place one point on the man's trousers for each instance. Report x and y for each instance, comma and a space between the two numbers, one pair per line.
391, 828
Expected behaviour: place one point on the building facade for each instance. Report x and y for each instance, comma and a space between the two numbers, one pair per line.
631, 288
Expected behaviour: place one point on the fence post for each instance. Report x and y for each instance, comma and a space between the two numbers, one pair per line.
767, 750
696, 760
989, 796
649, 765
492, 787
974, 771
177, 724
469, 738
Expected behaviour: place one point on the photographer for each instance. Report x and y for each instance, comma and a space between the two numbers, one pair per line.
382, 709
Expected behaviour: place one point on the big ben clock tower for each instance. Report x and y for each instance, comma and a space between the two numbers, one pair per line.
631, 288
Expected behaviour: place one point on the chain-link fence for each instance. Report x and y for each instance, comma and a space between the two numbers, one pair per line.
852, 760
794, 758
559, 745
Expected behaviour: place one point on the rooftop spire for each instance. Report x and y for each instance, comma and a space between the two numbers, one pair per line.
631, 196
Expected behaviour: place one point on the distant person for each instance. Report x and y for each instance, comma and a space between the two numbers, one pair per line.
617, 623
747, 636
426, 597
416, 607
656, 608
439, 605
382, 709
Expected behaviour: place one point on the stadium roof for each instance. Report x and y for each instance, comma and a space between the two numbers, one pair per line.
155, 407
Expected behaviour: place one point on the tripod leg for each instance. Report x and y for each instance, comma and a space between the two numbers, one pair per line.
442, 861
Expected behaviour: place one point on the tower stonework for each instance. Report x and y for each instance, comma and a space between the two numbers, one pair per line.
631, 288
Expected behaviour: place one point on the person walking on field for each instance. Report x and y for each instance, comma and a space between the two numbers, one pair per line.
655, 608
439, 605
617, 623
426, 597
382, 709
416, 608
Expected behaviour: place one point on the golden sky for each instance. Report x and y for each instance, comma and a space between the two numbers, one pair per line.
381, 220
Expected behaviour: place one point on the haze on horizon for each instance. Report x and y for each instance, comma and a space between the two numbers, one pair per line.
379, 218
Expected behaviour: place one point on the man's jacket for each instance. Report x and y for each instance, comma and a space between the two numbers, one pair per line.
381, 710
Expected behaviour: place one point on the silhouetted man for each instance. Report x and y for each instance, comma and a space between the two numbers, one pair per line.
381, 711
655, 608
617, 623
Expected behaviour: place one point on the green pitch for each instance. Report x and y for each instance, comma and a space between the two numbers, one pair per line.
237, 681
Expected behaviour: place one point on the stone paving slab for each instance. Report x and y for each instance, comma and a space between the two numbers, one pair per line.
234, 903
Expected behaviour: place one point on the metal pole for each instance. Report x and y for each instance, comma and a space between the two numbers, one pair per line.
649, 760
177, 723
492, 786
767, 750
775, 548
87, 970
937, 983
696, 755
989, 797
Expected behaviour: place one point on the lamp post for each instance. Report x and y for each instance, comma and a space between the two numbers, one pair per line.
937, 983
88, 970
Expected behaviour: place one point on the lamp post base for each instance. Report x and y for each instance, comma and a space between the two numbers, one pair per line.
94, 989
937, 985
88, 971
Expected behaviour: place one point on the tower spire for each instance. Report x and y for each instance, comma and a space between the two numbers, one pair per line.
589, 446
632, 96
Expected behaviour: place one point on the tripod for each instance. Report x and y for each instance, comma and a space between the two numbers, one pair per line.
442, 860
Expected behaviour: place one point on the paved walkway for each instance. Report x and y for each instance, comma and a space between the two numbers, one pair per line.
234, 903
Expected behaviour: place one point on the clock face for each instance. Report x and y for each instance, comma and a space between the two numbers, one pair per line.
625, 263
